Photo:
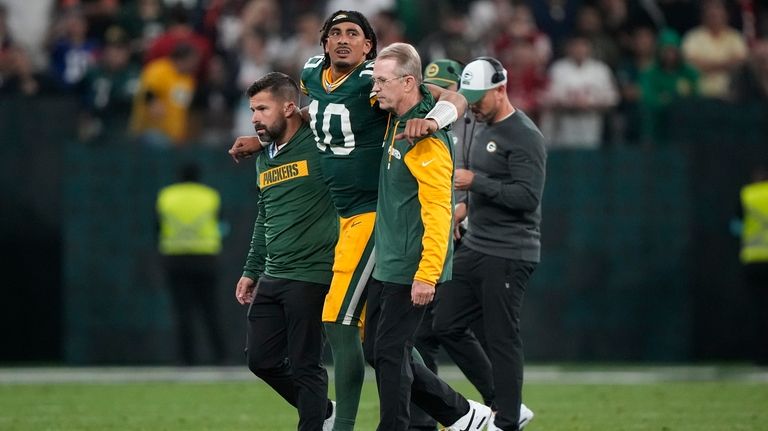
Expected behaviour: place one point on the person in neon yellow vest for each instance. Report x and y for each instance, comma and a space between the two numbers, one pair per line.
190, 242
754, 251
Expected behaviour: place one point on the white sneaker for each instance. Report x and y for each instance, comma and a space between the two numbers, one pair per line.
476, 418
328, 423
526, 416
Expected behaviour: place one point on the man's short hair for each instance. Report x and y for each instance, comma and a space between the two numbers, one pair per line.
406, 57
278, 84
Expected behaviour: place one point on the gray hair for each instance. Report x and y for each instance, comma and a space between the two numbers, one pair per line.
406, 57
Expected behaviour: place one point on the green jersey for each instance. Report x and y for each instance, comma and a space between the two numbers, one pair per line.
297, 227
348, 132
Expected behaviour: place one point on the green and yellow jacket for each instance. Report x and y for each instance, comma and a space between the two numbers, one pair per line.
415, 205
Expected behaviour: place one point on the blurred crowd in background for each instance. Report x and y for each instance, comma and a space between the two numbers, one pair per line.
172, 73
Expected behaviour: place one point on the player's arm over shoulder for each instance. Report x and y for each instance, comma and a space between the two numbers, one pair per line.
452, 97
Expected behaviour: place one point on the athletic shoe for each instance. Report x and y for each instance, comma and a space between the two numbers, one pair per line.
328, 423
476, 418
526, 415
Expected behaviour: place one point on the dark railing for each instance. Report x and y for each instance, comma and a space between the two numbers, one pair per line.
637, 261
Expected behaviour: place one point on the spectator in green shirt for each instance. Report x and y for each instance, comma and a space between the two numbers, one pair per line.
666, 82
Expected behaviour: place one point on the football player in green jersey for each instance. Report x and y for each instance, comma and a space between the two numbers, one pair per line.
349, 128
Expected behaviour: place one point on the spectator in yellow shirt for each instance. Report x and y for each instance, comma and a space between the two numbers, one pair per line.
161, 106
715, 49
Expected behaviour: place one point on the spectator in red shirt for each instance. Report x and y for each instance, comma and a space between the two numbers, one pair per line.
180, 32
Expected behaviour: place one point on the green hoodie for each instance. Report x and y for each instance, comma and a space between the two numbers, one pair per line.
661, 86
414, 219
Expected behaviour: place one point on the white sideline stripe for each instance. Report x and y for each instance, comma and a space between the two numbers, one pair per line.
533, 374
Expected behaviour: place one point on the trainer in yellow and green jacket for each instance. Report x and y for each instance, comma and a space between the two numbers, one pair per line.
415, 206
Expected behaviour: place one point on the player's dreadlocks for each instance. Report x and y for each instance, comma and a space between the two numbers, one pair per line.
348, 16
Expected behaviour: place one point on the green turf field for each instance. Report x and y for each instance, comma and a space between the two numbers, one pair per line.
713, 405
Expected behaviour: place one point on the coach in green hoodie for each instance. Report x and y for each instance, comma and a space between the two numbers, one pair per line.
413, 251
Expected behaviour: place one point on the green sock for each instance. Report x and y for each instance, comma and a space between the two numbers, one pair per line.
349, 372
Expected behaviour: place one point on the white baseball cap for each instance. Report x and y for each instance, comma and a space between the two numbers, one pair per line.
480, 76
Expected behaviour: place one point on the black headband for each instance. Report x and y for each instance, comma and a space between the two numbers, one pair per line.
345, 17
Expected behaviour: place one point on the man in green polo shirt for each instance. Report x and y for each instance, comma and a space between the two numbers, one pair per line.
289, 266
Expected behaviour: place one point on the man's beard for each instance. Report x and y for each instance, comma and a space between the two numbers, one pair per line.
343, 64
486, 117
271, 134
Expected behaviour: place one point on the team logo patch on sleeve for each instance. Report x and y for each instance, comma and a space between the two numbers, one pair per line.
282, 173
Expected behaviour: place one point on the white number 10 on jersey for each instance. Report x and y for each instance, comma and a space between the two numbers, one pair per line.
340, 140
